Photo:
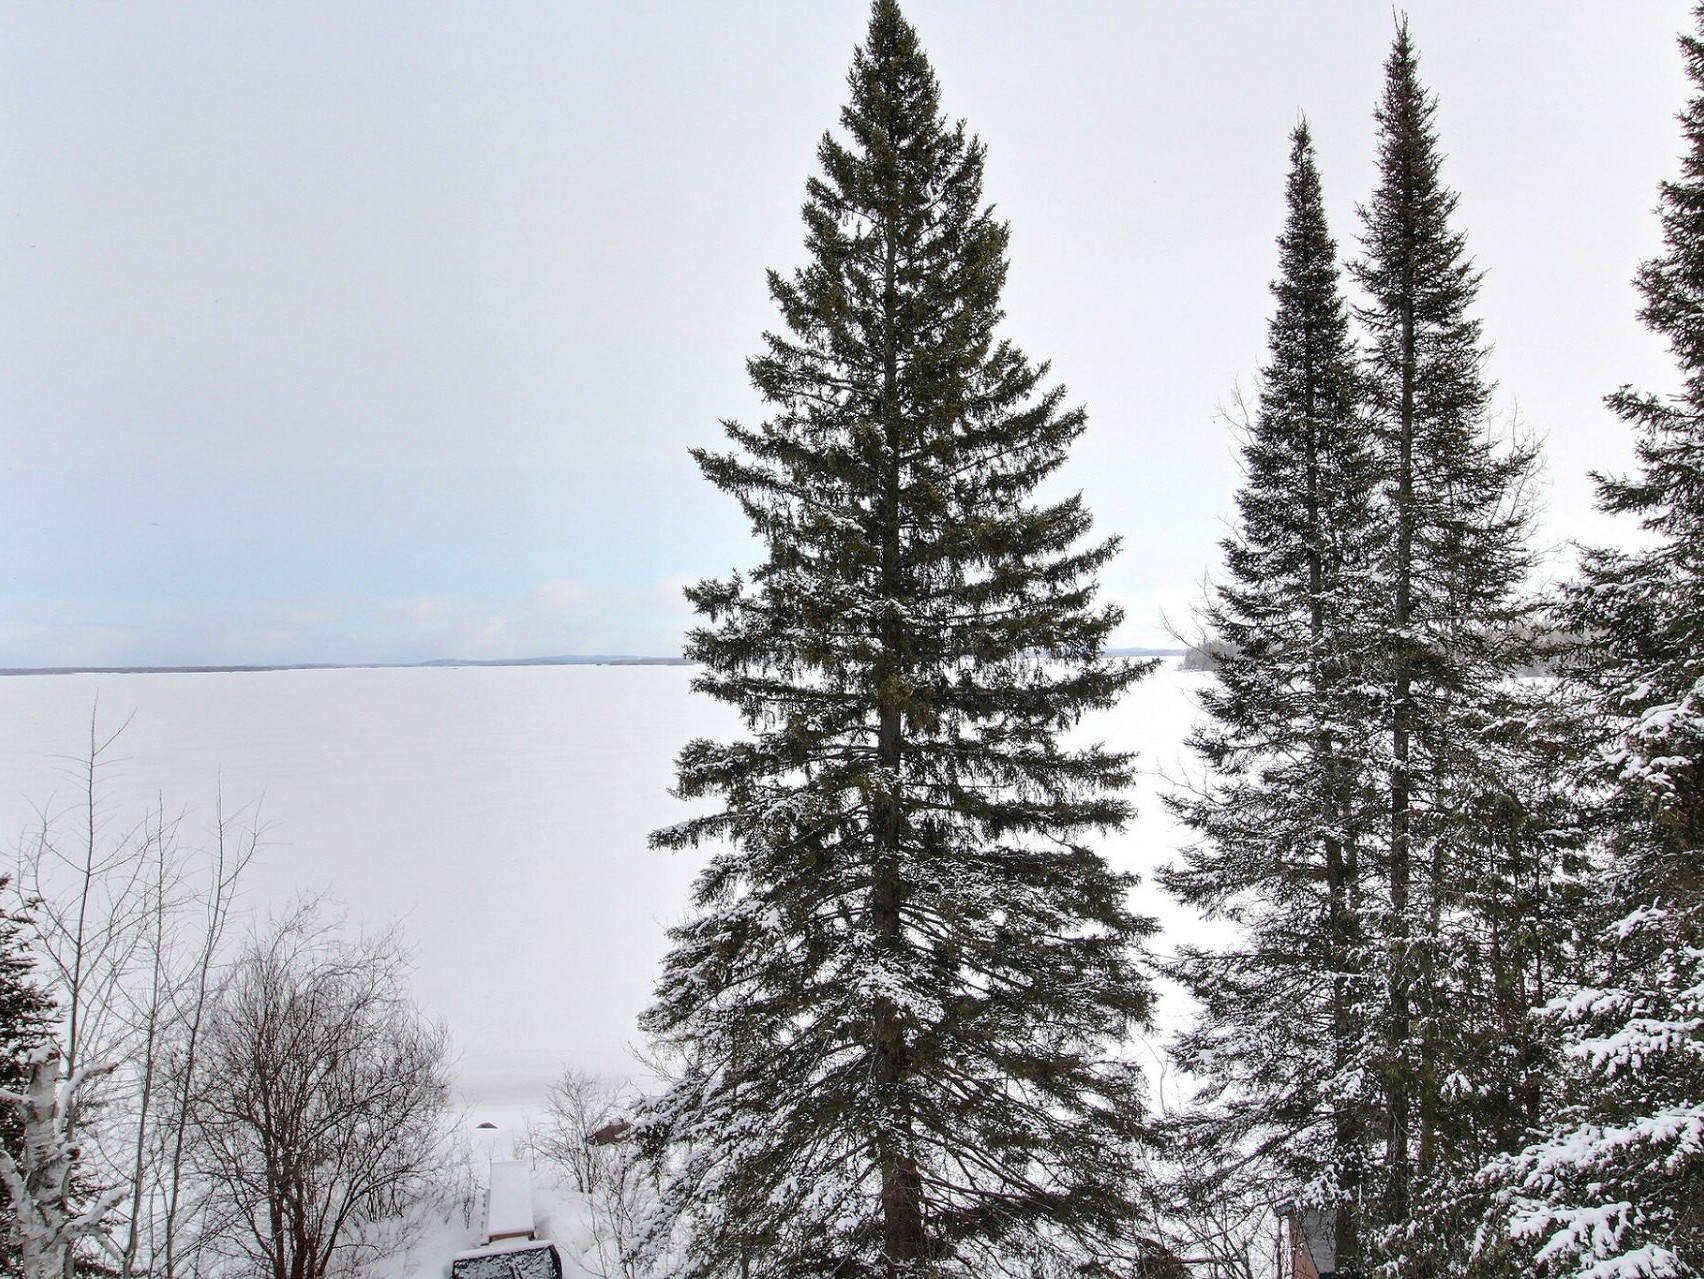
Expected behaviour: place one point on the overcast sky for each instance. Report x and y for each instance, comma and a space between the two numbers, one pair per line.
380, 332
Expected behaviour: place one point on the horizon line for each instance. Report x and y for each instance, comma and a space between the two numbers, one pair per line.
567, 659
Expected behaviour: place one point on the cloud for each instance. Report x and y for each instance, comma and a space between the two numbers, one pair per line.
672, 588
553, 617
559, 595
548, 618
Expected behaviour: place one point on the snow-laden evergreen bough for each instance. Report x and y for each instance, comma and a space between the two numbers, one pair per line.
1615, 1189
900, 1001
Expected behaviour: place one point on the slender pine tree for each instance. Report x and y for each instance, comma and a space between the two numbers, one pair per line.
1478, 830
900, 997
1288, 744
1616, 1187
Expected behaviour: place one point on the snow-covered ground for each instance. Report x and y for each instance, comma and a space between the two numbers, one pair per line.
499, 813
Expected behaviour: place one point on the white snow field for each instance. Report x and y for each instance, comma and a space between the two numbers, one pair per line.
500, 814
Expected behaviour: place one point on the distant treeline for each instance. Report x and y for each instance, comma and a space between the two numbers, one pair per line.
1554, 645
598, 659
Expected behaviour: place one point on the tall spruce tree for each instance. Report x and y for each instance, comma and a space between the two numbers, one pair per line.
1283, 821
1477, 826
900, 995
1616, 1187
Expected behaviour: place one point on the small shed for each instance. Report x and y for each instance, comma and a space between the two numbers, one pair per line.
1309, 1236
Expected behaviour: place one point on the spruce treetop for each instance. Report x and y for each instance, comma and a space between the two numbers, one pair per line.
1415, 266
1668, 495
1309, 398
1459, 496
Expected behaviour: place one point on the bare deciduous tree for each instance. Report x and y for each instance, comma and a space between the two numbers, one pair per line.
130, 918
584, 1134
316, 1107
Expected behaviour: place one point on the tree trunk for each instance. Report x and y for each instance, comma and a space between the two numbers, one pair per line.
903, 1237
1400, 1121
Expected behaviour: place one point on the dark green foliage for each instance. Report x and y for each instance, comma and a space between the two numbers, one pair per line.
1474, 913
26, 1017
1623, 1159
1284, 820
1387, 812
26, 1012
900, 993
1644, 609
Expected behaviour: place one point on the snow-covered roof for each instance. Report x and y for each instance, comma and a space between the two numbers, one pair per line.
508, 1204
503, 1249
515, 1259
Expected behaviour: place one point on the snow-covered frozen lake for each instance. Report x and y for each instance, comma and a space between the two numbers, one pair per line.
500, 814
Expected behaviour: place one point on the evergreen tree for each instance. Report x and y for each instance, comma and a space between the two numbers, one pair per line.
26, 1011
1284, 819
1616, 1188
1478, 831
899, 997
25, 1019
